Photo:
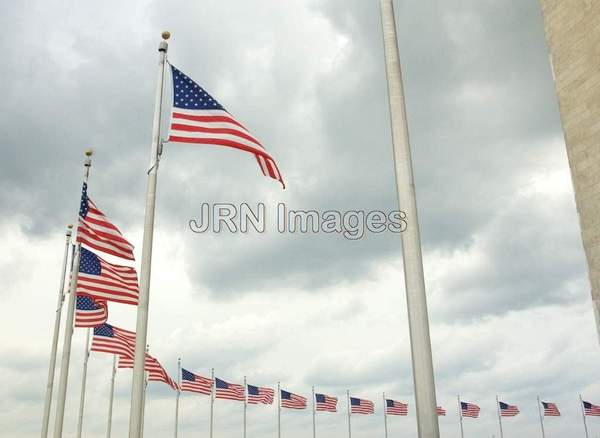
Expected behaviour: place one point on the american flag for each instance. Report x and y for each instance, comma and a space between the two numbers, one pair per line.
257, 395
229, 391
105, 281
97, 232
326, 403
550, 409
194, 383
110, 339
198, 118
507, 410
393, 407
591, 410
361, 406
469, 410
90, 312
156, 372
440, 411
292, 401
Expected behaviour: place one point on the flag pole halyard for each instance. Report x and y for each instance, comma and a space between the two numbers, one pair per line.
583, 415
137, 389
69, 325
462, 432
54, 348
499, 417
541, 418
418, 320
86, 357
212, 403
112, 397
178, 395
314, 413
385, 416
349, 412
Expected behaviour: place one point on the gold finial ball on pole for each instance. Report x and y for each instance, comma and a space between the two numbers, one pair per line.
166, 35
88, 152
70, 226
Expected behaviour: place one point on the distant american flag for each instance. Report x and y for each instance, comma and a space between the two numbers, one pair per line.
507, 410
550, 409
440, 411
97, 231
156, 372
258, 395
193, 383
198, 118
361, 406
292, 401
105, 281
90, 312
228, 391
469, 410
326, 403
591, 410
393, 407
110, 339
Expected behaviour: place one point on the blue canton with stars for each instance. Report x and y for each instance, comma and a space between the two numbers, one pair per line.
89, 263
86, 303
189, 95
253, 390
186, 375
84, 207
104, 330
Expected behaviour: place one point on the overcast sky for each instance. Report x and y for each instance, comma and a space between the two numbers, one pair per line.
508, 294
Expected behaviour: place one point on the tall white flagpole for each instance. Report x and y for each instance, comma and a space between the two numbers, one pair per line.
66, 351
583, 415
145, 393
137, 387
86, 357
385, 416
499, 417
112, 396
349, 413
462, 432
212, 402
54, 348
245, 403
178, 395
278, 409
314, 413
418, 320
541, 417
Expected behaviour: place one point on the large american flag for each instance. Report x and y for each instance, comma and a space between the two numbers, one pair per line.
90, 312
550, 409
591, 410
228, 391
257, 395
110, 339
292, 401
507, 410
361, 406
393, 407
469, 410
194, 383
97, 231
440, 411
326, 403
198, 118
105, 281
156, 372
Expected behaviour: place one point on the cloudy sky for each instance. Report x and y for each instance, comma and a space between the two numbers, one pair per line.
506, 278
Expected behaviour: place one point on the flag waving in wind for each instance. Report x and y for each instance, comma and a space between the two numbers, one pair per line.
90, 312
507, 410
156, 372
257, 395
292, 401
361, 406
550, 409
198, 118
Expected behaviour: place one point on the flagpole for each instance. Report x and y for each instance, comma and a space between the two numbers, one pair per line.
112, 396
54, 348
541, 418
245, 403
499, 417
66, 351
137, 387
212, 402
583, 415
418, 320
462, 432
278, 409
86, 356
314, 413
144, 393
385, 416
178, 395
349, 423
